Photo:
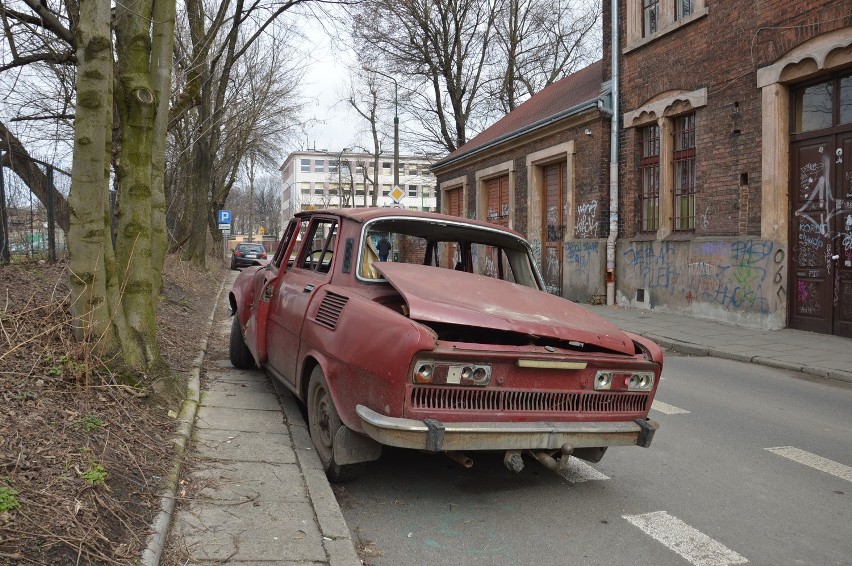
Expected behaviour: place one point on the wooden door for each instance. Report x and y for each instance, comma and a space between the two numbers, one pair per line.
811, 282
821, 235
843, 235
553, 226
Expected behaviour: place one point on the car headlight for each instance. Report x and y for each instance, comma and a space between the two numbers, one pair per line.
620, 380
445, 373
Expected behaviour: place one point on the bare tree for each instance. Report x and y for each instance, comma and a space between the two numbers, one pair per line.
461, 63
366, 104
539, 42
216, 44
439, 50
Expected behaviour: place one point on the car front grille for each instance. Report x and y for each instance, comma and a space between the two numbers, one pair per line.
518, 401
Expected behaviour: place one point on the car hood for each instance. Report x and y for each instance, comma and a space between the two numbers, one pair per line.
455, 297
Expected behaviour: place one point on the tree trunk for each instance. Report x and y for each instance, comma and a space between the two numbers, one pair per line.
135, 101
161, 81
88, 234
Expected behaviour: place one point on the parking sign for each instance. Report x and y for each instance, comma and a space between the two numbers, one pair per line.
224, 217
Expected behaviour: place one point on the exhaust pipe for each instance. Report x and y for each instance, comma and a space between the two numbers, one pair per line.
548, 461
460, 458
513, 460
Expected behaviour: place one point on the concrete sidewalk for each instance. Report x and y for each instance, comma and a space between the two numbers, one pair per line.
253, 488
819, 355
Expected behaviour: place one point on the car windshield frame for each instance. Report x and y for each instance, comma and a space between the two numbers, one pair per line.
444, 230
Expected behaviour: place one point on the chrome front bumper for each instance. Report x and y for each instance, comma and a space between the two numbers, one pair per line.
435, 436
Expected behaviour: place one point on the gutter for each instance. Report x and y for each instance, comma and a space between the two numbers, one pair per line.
613, 161
598, 103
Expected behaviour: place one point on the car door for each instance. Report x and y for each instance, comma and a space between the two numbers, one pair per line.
311, 270
265, 286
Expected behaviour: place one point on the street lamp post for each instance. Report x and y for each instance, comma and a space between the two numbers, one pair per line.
340, 178
395, 122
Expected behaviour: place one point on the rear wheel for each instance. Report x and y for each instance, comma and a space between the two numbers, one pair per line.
239, 353
324, 422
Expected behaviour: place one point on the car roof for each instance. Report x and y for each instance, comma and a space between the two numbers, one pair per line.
362, 215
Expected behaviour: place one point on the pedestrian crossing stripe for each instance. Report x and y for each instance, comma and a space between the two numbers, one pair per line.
836, 469
691, 544
668, 409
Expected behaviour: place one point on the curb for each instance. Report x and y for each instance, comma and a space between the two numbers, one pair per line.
186, 421
336, 538
696, 350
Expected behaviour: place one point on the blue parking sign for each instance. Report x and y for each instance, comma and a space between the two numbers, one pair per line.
224, 217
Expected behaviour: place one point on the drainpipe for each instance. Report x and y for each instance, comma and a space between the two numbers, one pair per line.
613, 163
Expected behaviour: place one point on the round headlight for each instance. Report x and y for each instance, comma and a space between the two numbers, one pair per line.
479, 374
424, 371
466, 372
603, 380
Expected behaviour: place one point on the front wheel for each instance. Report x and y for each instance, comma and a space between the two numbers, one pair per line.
238, 352
323, 423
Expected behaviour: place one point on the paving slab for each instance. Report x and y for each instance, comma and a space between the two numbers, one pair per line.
256, 530
237, 396
249, 481
217, 444
240, 420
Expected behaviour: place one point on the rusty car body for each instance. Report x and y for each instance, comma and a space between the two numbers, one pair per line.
451, 345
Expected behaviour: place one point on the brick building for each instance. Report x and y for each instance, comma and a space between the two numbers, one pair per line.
736, 160
734, 164
543, 170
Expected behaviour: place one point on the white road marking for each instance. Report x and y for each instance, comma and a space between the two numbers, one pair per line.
693, 545
668, 409
579, 471
817, 462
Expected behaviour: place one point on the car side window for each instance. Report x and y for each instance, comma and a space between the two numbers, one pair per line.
319, 245
284, 246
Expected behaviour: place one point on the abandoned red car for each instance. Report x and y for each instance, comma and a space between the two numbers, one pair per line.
433, 332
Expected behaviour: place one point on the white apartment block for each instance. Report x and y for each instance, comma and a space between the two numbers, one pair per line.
327, 179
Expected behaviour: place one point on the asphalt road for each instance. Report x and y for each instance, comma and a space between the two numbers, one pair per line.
708, 492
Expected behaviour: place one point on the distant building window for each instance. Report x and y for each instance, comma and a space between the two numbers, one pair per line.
319, 165
306, 165
684, 170
332, 166
319, 188
387, 165
426, 192
649, 192
359, 189
684, 8
412, 169
650, 17
386, 190
306, 188
412, 190
359, 168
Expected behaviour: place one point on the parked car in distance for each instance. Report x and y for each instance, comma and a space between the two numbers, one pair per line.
246, 254
451, 345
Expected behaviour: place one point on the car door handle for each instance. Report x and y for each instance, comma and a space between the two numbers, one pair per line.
835, 257
308, 288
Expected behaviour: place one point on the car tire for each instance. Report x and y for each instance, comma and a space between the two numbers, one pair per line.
233, 265
323, 423
238, 352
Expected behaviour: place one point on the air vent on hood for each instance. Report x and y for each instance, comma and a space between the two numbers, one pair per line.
330, 308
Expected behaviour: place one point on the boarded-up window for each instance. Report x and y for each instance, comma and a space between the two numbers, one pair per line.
498, 200
453, 203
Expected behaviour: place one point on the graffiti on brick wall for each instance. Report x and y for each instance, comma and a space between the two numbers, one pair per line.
743, 275
581, 258
587, 224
